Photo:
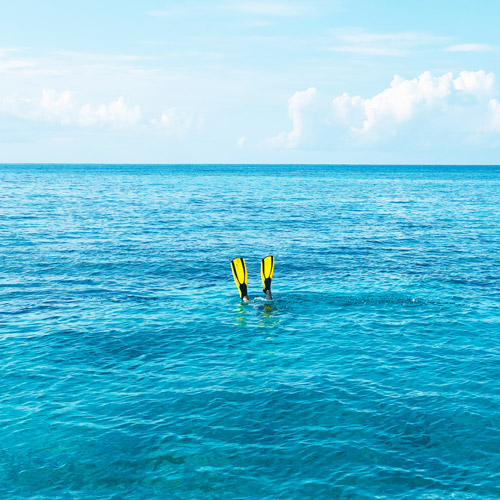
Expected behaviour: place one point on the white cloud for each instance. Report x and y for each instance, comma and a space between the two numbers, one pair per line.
394, 105
478, 83
178, 11
357, 41
79, 57
117, 113
260, 24
52, 107
56, 107
255, 8
8, 64
62, 108
300, 111
462, 104
14, 64
469, 47
241, 142
174, 122
360, 36
267, 8
405, 99
494, 122
368, 50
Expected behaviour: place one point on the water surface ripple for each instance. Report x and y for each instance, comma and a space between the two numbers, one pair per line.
130, 369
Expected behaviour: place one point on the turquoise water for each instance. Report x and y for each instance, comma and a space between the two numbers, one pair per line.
130, 369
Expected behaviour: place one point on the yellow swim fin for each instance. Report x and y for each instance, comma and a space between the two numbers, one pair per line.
266, 272
240, 275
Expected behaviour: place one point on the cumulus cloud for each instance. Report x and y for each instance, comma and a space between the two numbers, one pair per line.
405, 99
302, 112
464, 103
56, 107
117, 112
62, 108
477, 83
52, 107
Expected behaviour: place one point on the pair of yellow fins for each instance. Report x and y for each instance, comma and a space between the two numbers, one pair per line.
241, 278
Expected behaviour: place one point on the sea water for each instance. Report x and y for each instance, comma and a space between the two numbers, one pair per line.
131, 370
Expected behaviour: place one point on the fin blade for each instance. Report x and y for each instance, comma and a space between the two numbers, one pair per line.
240, 276
266, 271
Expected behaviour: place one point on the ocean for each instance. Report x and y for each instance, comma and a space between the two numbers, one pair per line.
132, 370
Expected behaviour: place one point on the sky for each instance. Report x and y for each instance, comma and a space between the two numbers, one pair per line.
230, 81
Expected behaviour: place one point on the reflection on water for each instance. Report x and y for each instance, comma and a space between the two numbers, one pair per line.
269, 315
265, 313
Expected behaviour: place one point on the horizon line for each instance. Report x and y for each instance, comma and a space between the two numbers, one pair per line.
260, 163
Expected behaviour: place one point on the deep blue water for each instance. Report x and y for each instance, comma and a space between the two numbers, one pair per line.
130, 369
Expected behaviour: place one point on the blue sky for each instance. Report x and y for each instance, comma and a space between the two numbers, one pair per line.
221, 81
